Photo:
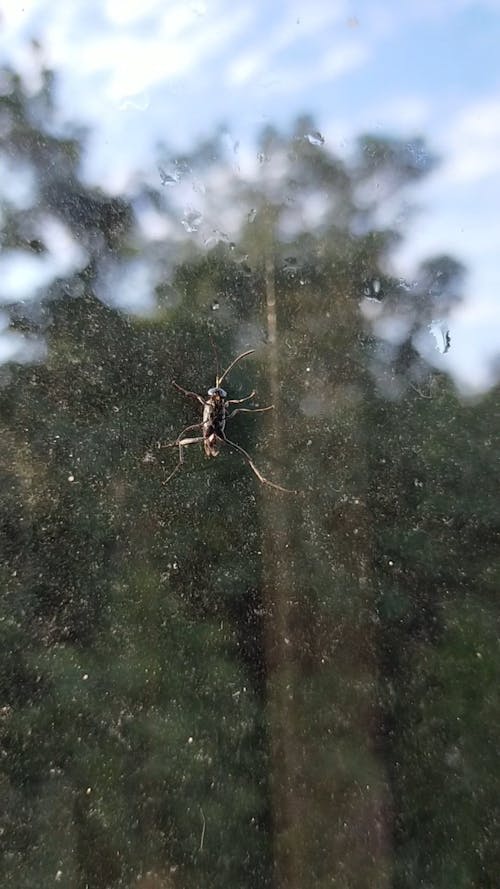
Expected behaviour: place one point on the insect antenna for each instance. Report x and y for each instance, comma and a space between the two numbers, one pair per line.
217, 363
243, 355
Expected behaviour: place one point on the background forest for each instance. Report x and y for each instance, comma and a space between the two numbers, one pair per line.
209, 683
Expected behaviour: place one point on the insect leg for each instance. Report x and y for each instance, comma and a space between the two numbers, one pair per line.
249, 410
252, 465
172, 444
183, 442
189, 394
187, 429
241, 400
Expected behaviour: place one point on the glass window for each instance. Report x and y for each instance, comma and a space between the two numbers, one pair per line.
249, 379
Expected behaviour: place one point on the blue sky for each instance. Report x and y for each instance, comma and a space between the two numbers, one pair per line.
141, 71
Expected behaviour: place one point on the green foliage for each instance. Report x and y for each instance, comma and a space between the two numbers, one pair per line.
206, 682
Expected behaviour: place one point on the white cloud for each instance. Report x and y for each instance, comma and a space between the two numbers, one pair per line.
299, 28
475, 342
22, 274
343, 58
15, 14
18, 185
176, 45
125, 12
406, 112
289, 75
472, 142
109, 52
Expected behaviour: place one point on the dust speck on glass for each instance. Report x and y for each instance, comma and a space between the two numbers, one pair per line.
278, 668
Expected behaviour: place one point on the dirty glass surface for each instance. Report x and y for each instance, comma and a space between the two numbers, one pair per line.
207, 681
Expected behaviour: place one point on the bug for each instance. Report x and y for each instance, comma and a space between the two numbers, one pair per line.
216, 412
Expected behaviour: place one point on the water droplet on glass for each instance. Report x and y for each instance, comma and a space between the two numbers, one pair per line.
215, 306
290, 266
216, 238
315, 138
242, 257
168, 178
372, 291
441, 334
251, 215
192, 220
182, 167
199, 186
404, 285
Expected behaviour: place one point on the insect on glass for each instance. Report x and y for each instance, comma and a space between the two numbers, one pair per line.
216, 411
